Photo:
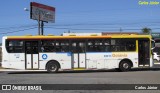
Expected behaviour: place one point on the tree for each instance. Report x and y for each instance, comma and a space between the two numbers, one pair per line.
146, 30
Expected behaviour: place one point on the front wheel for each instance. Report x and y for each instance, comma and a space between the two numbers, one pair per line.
125, 66
52, 67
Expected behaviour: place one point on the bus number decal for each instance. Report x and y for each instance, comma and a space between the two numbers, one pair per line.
109, 55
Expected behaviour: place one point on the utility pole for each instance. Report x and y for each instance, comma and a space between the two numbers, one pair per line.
42, 29
120, 30
39, 24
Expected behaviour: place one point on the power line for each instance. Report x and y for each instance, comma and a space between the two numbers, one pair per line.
94, 24
98, 29
15, 27
18, 30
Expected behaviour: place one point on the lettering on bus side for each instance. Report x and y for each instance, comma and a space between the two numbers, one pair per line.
119, 55
109, 55
116, 55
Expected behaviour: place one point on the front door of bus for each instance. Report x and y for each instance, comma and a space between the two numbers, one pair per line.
31, 55
144, 52
78, 54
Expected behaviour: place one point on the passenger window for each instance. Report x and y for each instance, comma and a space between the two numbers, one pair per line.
15, 46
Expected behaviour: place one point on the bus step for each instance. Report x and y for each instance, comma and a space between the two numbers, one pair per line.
156, 65
79, 68
144, 66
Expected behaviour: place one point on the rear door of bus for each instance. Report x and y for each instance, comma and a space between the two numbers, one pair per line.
78, 54
31, 55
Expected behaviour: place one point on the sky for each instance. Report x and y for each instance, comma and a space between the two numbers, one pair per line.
80, 16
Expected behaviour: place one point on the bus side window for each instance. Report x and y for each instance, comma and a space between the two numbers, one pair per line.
123, 45
73, 47
64, 46
48, 46
35, 49
113, 48
28, 49
90, 46
131, 46
15, 46
81, 47
107, 46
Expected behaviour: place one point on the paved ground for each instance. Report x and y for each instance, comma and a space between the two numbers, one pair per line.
83, 77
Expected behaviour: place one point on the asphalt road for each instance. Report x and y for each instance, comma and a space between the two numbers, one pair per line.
145, 76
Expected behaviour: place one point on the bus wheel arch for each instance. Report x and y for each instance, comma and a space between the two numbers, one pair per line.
125, 65
52, 66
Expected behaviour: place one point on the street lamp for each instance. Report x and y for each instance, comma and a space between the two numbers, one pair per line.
26, 9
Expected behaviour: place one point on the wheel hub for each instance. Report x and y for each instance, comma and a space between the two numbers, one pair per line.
53, 67
125, 65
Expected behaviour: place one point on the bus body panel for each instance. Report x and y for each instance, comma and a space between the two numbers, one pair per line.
14, 60
5, 56
109, 60
91, 64
64, 59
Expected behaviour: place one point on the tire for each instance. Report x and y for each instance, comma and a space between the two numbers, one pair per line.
52, 67
125, 66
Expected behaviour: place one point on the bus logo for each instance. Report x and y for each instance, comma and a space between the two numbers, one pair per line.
44, 56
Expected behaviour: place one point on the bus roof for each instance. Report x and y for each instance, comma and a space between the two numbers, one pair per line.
74, 37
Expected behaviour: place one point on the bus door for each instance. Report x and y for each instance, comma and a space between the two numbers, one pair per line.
78, 54
144, 52
31, 55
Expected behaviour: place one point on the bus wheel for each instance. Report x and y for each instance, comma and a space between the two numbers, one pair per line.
52, 67
125, 66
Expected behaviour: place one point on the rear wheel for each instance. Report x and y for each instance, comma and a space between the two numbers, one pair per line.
52, 67
125, 66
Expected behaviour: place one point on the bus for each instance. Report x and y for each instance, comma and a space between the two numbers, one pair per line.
92, 52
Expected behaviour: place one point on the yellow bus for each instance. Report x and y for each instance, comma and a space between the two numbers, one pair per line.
54, 53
